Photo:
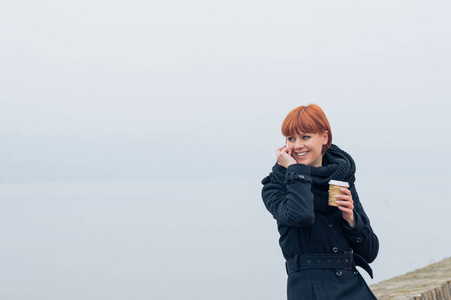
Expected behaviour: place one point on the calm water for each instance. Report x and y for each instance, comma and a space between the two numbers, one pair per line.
200, 239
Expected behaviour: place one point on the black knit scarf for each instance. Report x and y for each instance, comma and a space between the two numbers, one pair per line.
336, 165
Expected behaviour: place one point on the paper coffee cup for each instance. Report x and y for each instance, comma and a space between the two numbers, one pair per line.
334, 189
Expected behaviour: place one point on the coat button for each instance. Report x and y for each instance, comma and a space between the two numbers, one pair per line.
335, 249
339, 273
356, 272
331, 225
358, 240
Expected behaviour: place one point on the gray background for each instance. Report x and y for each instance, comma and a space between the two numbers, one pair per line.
134, 136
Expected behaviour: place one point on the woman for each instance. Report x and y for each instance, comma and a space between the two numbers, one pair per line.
322, 244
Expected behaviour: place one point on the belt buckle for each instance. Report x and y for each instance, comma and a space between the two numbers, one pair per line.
349, 260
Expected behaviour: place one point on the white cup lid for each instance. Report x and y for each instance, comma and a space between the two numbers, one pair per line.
340, 183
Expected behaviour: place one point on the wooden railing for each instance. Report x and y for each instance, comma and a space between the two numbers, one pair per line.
432, 282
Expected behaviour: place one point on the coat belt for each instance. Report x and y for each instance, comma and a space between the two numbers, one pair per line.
346, 261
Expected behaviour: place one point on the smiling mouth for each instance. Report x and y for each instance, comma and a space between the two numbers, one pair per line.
302, 153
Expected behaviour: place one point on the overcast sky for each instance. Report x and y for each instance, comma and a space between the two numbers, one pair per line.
158, 90
129, 90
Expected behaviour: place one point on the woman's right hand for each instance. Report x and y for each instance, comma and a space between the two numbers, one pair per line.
284, 157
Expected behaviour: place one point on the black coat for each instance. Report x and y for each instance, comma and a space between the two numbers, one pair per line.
308, 226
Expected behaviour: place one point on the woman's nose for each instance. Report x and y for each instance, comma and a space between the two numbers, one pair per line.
299, 144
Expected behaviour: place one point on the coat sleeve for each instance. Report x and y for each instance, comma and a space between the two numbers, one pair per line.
290, 199
361, 237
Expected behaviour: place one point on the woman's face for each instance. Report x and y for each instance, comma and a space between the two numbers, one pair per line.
306, 148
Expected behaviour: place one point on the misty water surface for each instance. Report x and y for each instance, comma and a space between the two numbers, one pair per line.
199, 239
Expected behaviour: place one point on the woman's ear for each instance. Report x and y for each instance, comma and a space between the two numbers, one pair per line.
325, 137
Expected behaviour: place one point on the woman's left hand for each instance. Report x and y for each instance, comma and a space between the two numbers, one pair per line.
346, 205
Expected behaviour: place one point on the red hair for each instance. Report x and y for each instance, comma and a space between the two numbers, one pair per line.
307, 119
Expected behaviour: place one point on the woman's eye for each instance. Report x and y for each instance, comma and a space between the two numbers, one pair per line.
306, 137
290, 139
